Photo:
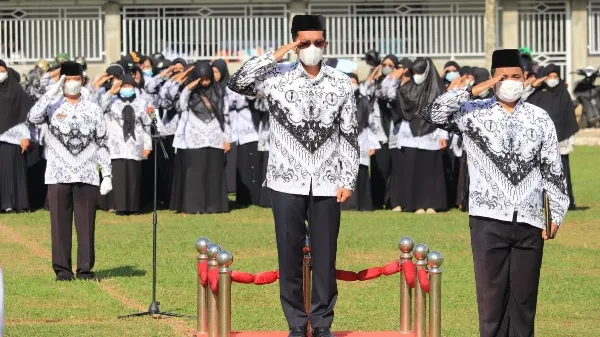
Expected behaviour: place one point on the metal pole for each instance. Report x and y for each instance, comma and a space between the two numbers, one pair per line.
435, 260
420, 253
306, 278
211, 302
201, 321
406, 245
225, 259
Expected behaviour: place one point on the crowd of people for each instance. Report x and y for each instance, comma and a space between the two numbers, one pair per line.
217, 140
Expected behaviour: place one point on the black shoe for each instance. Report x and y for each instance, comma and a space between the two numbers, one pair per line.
322, 332
64, 278
298, 332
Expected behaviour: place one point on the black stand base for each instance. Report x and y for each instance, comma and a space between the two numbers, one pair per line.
154, 309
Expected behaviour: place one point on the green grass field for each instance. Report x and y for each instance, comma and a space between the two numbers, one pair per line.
36, 305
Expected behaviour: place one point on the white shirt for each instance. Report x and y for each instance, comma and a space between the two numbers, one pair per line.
242, 125
430, 141
15, 134
313, 135
367, 140
512, 157
75, 143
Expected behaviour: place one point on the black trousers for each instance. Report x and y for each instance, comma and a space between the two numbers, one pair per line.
64, 200
507, 257
291, 212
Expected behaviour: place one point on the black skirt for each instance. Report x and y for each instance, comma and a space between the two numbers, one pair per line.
199, 182
36, 182
423, 184
567, 169
396, 178
265, 192
361, 199
249, 173
230, 168
164, 175
380, 174
125, 196
13, 178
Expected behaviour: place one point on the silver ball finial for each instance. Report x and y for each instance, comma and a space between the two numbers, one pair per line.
435, 259
212, 250
421, 251
406, 244
202, 244
224, 258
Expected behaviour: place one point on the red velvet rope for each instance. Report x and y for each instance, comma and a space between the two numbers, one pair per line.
391, 268
369, 274
409, 272
344, 275
213, 280
266, 277
423, 280
203, 272
241, 277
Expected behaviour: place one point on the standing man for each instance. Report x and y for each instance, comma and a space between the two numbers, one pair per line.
75, 146
513, 157
313, 164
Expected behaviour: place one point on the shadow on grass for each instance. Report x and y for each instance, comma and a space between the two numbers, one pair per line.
123, 271
579, 208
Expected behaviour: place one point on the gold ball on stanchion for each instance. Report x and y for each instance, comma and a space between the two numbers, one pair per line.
202, 244
212, 250
224, 258
421, 251
435, 260
406, 244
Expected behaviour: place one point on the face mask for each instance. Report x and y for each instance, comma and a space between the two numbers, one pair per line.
311, 56
3, 76
72, 88
354, 87
419, 78
552, 82
451, 76
148, 72
485, 93
126, 92
509, 90
386, 70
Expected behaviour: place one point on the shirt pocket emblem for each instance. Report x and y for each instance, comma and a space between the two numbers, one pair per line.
61, 116
331, 98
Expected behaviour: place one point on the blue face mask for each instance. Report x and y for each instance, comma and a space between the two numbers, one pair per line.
450, 76
126, 92
148, 72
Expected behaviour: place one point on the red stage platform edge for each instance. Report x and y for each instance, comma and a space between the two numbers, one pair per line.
337, 334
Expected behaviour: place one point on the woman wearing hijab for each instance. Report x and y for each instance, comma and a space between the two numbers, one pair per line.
361, 199
450, 72
259, 107
129, 142
202, 139
417, 182
14, 140
554, 97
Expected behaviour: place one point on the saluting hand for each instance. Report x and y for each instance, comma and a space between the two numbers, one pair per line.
56, 88
115, 87
483, 86
282, 51
167, 72
55, 73
193, 84
538, 82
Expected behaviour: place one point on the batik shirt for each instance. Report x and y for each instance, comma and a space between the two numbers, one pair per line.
367, 140
132, 148
168, 95
242, 124
430, 141
512, 157
15, 134
313, 128
75, 142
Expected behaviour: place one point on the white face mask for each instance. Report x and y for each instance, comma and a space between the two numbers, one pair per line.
354, 87
419, 78
386, 70
3, 76
552, 82
485, 93
311, 56
509, 90
72, 88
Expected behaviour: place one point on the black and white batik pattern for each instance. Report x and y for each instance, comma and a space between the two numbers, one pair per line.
242, 125
367, 140
194, 133
512, 158
15, 134
405, 138
75, 141
131, 148
313, 128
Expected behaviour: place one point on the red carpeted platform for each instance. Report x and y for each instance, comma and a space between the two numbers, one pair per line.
337, 334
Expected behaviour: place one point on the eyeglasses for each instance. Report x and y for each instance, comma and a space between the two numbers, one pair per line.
306, 44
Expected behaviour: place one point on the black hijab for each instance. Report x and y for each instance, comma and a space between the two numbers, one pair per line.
128, 114
558, 104
116, 71
213, 93
14, 102
412, 98
222, 66
363, 107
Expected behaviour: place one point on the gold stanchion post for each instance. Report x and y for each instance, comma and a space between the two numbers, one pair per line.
405, 245
435, 260
420, 253
211, 303
224, 259
201, 321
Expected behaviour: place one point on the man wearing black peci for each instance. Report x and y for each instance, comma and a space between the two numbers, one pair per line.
313, 164
513, 157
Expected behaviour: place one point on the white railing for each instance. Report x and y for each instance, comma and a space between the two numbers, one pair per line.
28, 34
407, 28
203, 32
545, 27
594, 27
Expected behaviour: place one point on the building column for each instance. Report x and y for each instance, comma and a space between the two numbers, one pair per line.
490, 31
112, 32
579, 45
297, 7
510, 24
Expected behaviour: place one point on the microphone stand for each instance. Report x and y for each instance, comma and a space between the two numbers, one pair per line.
154, 308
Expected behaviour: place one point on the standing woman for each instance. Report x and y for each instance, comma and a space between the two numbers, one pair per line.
422, 186
128, 143
202, 139
260, 106
554, 97
14, 140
